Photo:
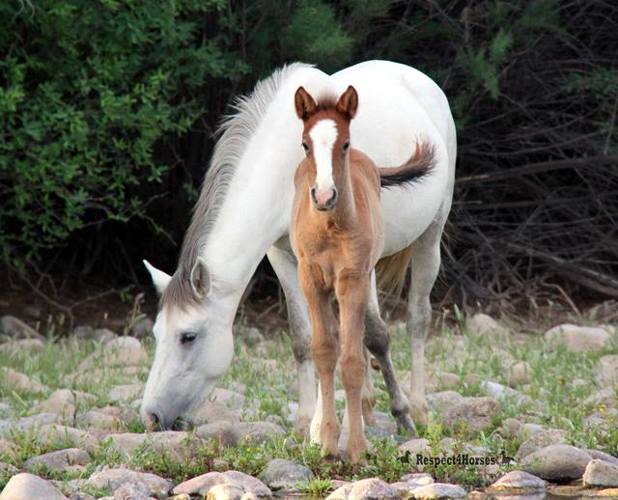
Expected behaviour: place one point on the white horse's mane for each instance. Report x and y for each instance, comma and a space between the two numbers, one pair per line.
234, 132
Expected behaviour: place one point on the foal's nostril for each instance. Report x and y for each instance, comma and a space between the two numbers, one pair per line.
152, 421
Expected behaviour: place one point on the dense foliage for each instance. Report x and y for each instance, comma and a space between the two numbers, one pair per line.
107, 112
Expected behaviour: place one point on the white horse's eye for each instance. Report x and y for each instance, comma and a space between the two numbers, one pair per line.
187, 337
306, 147
346, 146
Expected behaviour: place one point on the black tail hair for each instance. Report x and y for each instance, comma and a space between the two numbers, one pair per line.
417, 167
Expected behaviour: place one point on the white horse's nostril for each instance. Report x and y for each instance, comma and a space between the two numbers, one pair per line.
324, 197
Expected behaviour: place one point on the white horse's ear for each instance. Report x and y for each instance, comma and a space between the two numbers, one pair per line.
200, 278
159, 278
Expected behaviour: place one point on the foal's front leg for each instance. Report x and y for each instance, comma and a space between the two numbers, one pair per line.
353, 294
325, 350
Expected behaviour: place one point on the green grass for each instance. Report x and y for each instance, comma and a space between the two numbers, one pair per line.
268, 373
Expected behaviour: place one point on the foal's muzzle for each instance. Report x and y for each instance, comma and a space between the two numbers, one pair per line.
324, 199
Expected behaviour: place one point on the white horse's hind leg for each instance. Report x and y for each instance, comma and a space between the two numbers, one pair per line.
425, 268
284, 264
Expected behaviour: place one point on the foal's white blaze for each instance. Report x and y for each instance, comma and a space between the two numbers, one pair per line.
323, 135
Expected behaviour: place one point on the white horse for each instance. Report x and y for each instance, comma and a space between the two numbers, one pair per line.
244, 213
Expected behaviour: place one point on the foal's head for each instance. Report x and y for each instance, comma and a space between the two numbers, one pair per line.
326, 140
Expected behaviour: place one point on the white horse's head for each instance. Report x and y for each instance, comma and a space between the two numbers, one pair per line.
194, 346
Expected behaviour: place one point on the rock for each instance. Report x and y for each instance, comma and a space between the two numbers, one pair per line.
26, 424
416, 447
28, 486
52, 433
132, 491
64, 402
224, 492
253, 336
365, 489
440, 402
115, 478
99, 420
121, 351
442, 380
518, 481
229, 398
601, 473
540, 440
226, 433
600, 455
7, 449
24, 345
482, 324
32, 312
580, 339
17, 329
58, 460
556, 462
213, 411
504, 393
258, 432
7, 470
125, 393
420, 478
142, 328
609, 370
605, 397
519, 374
20, 382
201, 485
475, 413
86, 332
176, 445
439, 490
284, 474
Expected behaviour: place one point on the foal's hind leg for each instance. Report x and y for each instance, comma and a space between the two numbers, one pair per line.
425, 268
377, 340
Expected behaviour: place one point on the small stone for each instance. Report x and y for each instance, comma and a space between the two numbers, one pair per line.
201, 485
176, 445
83, 332
440, 402
121, 351
132, 491
600, 455
601, 473
81, 496
17, 329
213, 411
142, 328
258, 432
32, 312
24, 345
439, 491
20, 382
58, 460
253, 336
125, 393
475, 413
416, 447
284, 474
472, 379
28, 486
64, 402
99, 420
605, 397
541, 440
556, 462
52, 433
519, 374
115, 478
609, 370
581, 339
366, 489
224, 492
229, 398
224, 432
421, 478
518, 481
7, 469
482, 324
7, 449
504, 393
26, 424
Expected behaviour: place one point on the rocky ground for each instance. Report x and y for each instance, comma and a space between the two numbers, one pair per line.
512, 415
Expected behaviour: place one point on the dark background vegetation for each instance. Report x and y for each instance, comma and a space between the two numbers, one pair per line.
108, 110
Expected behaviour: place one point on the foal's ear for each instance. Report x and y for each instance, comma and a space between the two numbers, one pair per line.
348, 103
159, 278
200, 278
305, 104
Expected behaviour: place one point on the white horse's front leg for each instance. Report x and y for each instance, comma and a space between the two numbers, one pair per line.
284, 264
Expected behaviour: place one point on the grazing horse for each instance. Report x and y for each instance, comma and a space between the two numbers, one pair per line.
243, 213
337, 233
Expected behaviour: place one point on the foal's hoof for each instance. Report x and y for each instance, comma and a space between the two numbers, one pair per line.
419, 410
405, 425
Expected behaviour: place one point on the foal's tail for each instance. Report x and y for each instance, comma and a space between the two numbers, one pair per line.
417, 167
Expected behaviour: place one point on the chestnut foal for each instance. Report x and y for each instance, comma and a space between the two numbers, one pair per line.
337, 234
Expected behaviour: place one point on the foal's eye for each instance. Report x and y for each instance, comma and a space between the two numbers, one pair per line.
306, 147
187, 337
346, 146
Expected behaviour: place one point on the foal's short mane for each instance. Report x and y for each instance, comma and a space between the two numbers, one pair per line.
235, 131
